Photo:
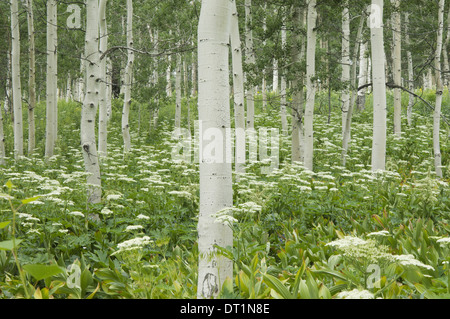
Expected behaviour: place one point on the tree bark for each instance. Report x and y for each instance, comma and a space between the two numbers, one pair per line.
103, 97
439, 91
310, 85
379, 87
410, 72
90, 103
15, 76
345, 76
31, 79
250, 59
214, 118
128, 80
52, 89
397, 65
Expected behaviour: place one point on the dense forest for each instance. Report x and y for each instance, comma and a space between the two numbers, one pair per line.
229, 149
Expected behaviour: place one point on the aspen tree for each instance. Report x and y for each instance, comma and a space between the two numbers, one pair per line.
379, 86
128, 80
2, 139
283, 85
397, 66
51, 80
178, 77
410, 72
31, 79
250, 59
310, 85
15, 76
345, 76
439, 91
238, 90
103, 90
90, 103
214, 118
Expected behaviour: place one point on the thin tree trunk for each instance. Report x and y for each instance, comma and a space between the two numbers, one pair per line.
31, 79
250, 58
283, 104
345, 76
238, 92
52, 92
439, 92
103, 97
90, 103
178, 92
2, 139
410, 72
215, 173
310, 85
15, 76
397, 66
128, 80
379, 86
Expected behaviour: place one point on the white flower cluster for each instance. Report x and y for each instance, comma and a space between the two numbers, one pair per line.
135, 243
409, 260
355, 294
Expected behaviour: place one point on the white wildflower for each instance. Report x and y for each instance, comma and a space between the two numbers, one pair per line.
134, 227
355, 294
409, 260
106, 211
444, 241
379, 233
346, 242
142, 216
134, 243
113, 197
75, 213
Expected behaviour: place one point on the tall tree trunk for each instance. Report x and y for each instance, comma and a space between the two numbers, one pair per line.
31, 79
345, 76
362, 76
103, 97
15, 76
128, 80
410, 72
439, 91
297, 85
379, 86
310, 85
397, 66
2, 139
238, 92
178, 77
214, 115
250, 59
283, 87
89, 109
52, 94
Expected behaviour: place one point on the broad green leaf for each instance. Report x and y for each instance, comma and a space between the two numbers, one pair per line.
9, 185
4, 224
277, 285
9, 244
29, 200
39, 271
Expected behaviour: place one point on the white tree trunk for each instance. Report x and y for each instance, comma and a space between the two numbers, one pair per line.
178, 76
397, 65
410, 72
250, 59
238, 89
103, 89
15, 76
345, 76
214, 115
2, 139
89, 109
363, 76
439, 91
31, 79
51, 79
310, 85
283, 87
379, 86
128, 80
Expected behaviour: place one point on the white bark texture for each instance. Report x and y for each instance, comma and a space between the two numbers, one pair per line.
283, 85
397, 65
310, 85
51, 79
410, 73
345, 76
178, 76
128, 80
90, 103
439, 92
250, 59
103, 90
238, 90
31, 79
214, 115
15, 76
379, 86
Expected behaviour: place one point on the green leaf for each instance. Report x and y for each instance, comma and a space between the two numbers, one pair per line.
39, 271
277, 285
9, 185
4, 224
9, 244
31, 199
